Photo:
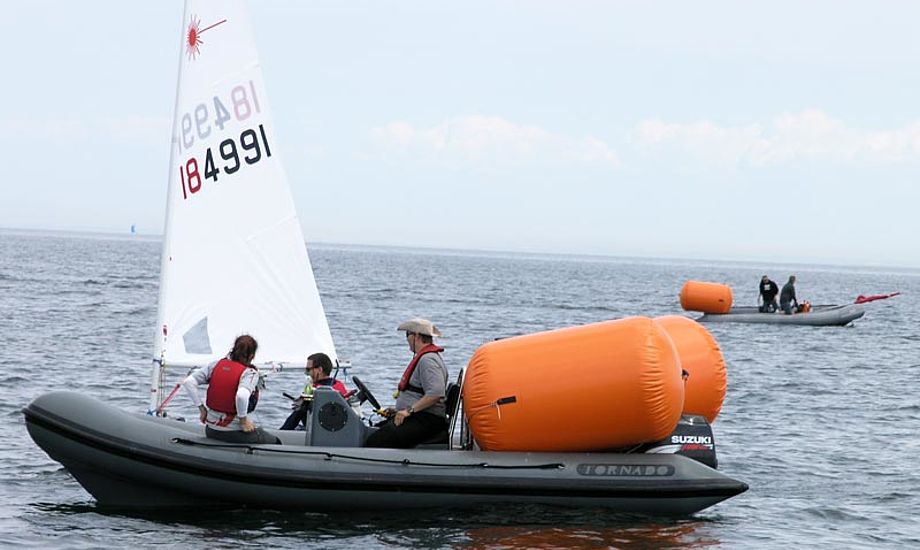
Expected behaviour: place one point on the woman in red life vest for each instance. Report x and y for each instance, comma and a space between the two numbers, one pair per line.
420, 411
233, 391
318, 369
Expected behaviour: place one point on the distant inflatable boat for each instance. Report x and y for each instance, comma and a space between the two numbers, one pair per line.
823, 315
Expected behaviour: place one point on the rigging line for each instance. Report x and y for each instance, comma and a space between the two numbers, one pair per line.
405, 462
166, 401
211, 26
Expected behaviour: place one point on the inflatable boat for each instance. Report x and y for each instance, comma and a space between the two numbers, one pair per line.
517, 443
136, 461
822, 315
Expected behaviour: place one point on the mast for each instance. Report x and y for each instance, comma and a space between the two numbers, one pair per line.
158, 365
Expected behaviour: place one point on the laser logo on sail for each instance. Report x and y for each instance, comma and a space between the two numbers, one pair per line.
193, 36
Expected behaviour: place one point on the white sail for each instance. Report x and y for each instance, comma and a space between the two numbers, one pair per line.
234, 258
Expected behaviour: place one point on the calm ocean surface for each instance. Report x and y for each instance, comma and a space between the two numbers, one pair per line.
822, 423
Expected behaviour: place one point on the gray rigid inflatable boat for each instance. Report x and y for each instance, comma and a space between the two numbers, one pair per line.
135, 460
823, 315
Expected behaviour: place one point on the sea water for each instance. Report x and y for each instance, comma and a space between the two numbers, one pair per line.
823, 423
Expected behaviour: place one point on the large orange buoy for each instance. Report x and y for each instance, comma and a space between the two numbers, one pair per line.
701, 357
706, 297
591, 387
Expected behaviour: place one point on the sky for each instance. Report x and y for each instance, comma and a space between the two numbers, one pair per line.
774, 131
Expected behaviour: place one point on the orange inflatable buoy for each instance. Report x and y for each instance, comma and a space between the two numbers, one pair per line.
700, 356
706, 297
591, 387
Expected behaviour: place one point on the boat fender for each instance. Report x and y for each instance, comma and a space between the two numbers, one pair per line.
706, 297
614, 384
700, 356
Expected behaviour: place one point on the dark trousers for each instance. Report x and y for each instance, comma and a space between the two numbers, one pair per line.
416, 429
295, 418
238, 436
769, 306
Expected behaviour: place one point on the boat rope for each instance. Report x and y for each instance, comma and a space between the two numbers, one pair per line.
404, 461
494, 404
162, 407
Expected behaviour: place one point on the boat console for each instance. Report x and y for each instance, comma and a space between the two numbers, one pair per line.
334, 423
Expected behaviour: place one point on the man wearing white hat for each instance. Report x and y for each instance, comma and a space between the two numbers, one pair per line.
420, 412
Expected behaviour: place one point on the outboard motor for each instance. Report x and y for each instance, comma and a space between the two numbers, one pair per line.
692, 438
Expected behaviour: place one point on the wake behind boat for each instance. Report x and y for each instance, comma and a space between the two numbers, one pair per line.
230, 213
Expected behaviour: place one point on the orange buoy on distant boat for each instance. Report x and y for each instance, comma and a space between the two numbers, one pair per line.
590, 387
701, 357
706, 297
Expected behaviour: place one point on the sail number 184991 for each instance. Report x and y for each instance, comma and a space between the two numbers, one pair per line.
253, 146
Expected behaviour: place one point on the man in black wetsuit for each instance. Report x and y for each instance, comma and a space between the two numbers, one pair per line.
787, 301
768, 292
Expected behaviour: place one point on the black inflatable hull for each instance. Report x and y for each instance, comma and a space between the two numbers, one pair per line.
138, 461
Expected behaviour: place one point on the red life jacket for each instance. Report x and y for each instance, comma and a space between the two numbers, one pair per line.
334, 384
225, 379
404, 381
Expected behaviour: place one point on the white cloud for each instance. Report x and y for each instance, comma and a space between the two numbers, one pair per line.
489, 141
808, 135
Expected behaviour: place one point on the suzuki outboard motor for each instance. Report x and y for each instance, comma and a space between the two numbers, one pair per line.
692, 438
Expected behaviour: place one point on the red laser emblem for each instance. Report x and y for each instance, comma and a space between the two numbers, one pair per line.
193, 35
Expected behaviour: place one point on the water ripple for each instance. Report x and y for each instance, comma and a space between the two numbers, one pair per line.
821, 422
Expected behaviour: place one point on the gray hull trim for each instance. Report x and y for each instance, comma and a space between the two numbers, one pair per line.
137, 461
831, 315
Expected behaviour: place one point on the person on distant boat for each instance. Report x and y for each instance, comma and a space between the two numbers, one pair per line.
318, 369
233, 391
767, 297
787, 300
420, 412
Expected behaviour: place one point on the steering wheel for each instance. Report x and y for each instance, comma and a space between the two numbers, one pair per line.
365, 394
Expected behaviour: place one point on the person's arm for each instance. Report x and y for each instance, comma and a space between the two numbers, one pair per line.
192, 381
247, 385
242, 408
191, 388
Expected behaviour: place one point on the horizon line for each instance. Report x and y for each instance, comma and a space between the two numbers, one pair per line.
587, 255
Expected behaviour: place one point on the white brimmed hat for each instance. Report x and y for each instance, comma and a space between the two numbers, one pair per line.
419, 326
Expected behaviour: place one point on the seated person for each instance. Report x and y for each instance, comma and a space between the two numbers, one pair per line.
318, 369
421, 412
233, 392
